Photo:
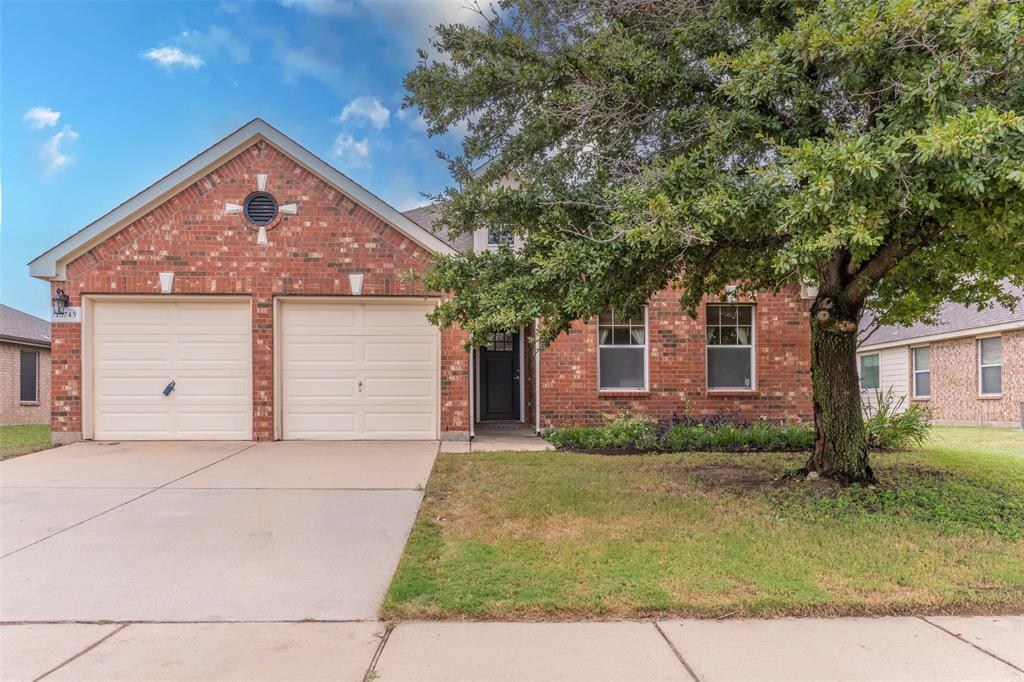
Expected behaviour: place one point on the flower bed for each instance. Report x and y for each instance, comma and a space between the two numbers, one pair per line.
720, 433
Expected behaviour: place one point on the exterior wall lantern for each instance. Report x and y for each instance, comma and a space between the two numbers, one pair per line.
60, 302
355, 282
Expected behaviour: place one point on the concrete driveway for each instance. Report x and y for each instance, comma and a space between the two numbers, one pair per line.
187, 532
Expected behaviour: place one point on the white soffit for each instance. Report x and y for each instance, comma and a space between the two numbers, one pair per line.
50, 265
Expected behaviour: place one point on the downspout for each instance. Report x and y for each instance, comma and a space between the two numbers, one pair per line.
472, 400
536, 374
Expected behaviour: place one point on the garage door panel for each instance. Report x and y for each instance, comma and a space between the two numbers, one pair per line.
407, 353
208, 424
333, 425
208, 352
322, 354
395, 315
204, 346
400, 387
396, 424
122, 351
390, 348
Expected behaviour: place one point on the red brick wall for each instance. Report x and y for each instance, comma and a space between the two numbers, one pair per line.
213, 253
569, 385
955, 395
12, 410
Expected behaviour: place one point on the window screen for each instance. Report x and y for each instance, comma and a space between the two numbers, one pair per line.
922, 372
29, 376
990, 353
730, 346
869, 378
622, 346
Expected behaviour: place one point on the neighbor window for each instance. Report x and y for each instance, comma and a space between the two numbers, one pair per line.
622, 346
730, 348
922, 362
29, 376
869, 372
990, 356
498, 237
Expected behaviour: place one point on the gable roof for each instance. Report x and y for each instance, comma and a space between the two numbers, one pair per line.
50, 265
21, 327
425, 216
953, 318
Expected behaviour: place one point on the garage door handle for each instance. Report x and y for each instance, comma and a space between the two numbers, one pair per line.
360, 385
169, 387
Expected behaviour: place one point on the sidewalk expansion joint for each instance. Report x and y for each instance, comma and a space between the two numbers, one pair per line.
81, 653
371, 670
675, 651
967, 641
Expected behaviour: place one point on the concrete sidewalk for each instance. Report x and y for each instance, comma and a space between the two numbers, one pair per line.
934, 648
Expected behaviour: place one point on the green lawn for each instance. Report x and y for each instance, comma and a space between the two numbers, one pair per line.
22, 439
557, 535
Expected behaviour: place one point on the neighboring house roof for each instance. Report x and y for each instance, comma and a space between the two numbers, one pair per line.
50, 265
21, 327
954, 320
424, 216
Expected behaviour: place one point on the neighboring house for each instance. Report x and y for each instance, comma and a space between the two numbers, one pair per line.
24, 368
257, 292
968, 368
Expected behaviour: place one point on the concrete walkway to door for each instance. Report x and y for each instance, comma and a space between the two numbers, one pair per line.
207, 531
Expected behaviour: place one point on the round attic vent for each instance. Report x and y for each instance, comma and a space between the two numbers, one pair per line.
260, 208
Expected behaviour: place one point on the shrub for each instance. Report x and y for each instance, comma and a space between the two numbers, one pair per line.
684, 434
890, 426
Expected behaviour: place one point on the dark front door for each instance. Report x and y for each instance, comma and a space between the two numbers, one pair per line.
499, 377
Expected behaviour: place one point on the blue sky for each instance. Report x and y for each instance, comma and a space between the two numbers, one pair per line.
101, 99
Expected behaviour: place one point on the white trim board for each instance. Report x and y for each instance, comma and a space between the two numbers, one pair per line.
50, 265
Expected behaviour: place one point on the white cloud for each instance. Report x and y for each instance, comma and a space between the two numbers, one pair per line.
52, 153
214, 40
322, 7
169, 57
350, 151
367, 108
41, 117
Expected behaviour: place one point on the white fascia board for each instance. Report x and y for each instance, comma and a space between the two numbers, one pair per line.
50, 265
943, 336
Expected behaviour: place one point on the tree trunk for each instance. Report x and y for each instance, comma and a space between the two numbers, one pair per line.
840, 450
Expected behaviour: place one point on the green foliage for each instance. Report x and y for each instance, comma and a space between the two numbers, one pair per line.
636, 434
889, 424
874, 148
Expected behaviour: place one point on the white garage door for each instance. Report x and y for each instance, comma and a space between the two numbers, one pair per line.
358, 370
204, 346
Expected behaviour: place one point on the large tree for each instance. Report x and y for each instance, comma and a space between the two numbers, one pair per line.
871, 148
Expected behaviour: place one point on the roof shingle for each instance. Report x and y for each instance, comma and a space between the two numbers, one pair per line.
952, 317
425, 216
18, 326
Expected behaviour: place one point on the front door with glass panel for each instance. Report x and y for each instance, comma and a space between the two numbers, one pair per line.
499, 377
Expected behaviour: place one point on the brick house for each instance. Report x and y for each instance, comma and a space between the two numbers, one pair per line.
968, 367
24, 368
258, 293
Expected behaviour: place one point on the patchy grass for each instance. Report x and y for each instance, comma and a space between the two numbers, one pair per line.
22, 439
562, 535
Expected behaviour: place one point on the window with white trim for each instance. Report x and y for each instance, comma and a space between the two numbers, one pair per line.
990, 365
921, 359
869, 372
622, 351
497, 237
730, 347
